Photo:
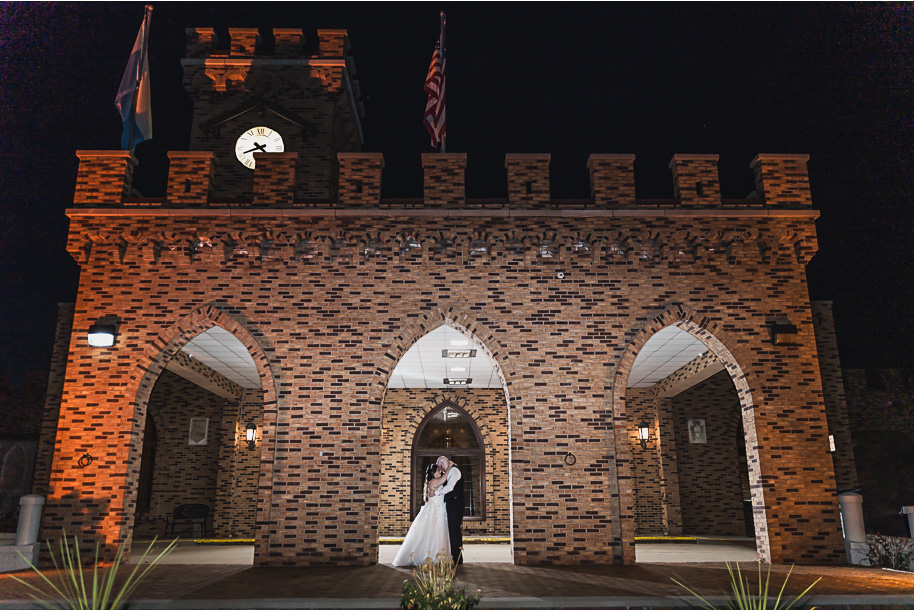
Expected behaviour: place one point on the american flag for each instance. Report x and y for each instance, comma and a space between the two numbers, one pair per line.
434, 119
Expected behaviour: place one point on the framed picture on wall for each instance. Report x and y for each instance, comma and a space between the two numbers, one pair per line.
697, 432
199, 428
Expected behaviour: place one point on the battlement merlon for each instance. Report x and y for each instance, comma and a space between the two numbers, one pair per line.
244, 53
782, 183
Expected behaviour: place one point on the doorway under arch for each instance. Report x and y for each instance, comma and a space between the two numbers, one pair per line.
679, 379
205, 384
446, 395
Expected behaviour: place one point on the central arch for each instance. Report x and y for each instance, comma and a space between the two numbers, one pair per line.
396, 347
719, 342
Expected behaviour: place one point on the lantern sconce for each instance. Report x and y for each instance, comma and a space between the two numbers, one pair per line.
644, 434
250, 434
783, 334
103, 332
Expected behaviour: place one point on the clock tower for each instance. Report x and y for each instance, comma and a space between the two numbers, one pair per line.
248, 101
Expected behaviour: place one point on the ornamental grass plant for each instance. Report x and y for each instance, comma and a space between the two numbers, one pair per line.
96, 593
742, 596
890, 552
432, 588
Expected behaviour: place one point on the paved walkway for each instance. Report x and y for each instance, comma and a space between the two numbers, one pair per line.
503, 585
706, 550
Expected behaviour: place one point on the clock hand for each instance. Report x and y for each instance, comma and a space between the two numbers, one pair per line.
257, 147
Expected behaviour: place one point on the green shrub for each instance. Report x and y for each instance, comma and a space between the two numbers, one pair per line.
75, 594
741, 596
434, 588
890, 552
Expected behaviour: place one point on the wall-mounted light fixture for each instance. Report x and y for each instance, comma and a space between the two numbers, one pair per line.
644, 434
783, 334
102, 334
250, 433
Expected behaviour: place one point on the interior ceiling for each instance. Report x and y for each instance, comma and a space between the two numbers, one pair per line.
666, 351
224, 353
423, 367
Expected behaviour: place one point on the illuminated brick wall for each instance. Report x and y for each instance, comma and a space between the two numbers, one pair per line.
711, 475
222, 474
326, 329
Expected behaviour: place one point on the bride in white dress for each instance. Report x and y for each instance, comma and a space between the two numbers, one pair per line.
427, 536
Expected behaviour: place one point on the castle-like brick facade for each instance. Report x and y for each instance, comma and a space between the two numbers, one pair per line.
319, 276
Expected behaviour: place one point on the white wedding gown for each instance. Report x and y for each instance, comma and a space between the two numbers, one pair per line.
427, 536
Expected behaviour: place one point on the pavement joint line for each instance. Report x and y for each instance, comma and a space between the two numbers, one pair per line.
517, 602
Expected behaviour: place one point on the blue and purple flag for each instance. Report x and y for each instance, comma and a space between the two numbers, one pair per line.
133, 95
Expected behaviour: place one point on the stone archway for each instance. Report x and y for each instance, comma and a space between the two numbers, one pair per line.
150, 365
397, 347
723, 345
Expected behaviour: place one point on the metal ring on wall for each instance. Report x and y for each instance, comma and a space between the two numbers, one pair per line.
570, 459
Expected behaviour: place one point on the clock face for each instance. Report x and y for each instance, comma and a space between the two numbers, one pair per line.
257, 140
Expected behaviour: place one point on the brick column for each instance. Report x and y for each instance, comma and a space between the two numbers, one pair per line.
612, 180
45, 454
782, 180
444, 183
274, 178
823, 323
695, 180
190, 177
360, 179
528, 179
104, 177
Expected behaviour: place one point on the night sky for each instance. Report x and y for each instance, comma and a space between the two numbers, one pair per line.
835, 81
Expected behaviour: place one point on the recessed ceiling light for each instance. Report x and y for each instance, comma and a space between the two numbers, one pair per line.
459, 342
458, 353
458, 369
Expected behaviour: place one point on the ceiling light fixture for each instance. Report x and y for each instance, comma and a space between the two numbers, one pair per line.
458, 381
458, 354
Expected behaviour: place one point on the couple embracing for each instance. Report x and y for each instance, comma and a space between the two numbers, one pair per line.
437, 528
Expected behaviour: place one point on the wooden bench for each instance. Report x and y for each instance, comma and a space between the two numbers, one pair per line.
188, 514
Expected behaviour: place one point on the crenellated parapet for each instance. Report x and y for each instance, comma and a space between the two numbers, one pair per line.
782, 183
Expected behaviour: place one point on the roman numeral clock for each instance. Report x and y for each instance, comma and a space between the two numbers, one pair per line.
254, 126
260, 139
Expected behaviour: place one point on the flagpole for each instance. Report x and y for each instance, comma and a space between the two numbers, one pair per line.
140, 66
443, 68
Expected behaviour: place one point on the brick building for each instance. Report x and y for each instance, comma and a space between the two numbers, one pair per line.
530, 338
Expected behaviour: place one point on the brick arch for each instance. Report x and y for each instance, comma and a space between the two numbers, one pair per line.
726, 347
485, 340
484, 430
151, 363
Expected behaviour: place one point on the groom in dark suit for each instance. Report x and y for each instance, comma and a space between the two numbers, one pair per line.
453, 505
